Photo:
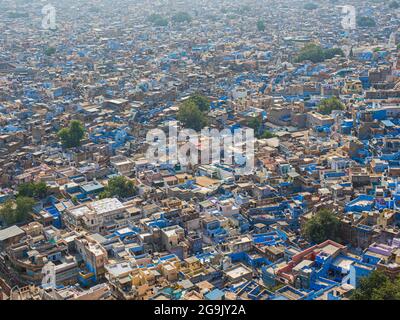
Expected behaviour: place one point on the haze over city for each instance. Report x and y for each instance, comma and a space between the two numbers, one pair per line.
200, 150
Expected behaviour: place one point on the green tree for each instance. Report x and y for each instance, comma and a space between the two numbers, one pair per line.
24, 207
26, 189
191, 116
260, 25
74, 199
33, 190
120, 187
157, 20
310, 6
244, 9
15, 15
267, 135
326, 106
16, 211
377, 286
72, 136
202, 102
316, 53
311, 52
365, 22
7, 213
323, 226
41, 190
181, 17
394, 5
50, 51
256, 124
330, 53
388, 291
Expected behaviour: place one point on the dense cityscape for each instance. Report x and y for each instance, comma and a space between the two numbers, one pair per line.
200, 150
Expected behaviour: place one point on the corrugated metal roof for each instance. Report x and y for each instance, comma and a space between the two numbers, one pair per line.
10, 232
